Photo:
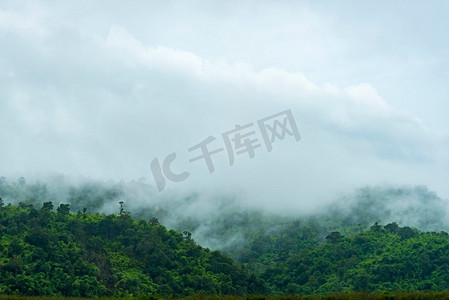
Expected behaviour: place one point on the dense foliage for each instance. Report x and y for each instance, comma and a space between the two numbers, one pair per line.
43, 252
384, 258
84, 249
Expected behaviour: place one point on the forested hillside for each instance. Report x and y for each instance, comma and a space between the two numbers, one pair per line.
98, 245
53, 252
47, 252
383, 258
220, 221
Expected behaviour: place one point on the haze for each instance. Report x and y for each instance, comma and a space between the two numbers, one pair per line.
100, 89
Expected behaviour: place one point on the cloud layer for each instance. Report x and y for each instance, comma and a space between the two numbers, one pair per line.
103, 95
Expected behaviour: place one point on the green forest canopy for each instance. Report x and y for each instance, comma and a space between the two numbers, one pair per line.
47, 251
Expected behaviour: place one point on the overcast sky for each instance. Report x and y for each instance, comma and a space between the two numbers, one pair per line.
101, 88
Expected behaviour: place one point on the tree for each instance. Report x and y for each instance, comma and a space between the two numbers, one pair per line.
334, 237
153, 221
63, 209
21, 181
47, 206
376, 227
122, 209
392, 227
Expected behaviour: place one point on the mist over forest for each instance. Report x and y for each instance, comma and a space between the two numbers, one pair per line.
221, 222
381, 241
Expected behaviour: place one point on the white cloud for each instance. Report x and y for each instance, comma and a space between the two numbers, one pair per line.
103, 102
21, 24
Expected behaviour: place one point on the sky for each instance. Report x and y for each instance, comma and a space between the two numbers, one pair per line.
100, 89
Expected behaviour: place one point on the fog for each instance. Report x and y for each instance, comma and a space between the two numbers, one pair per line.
98, 90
